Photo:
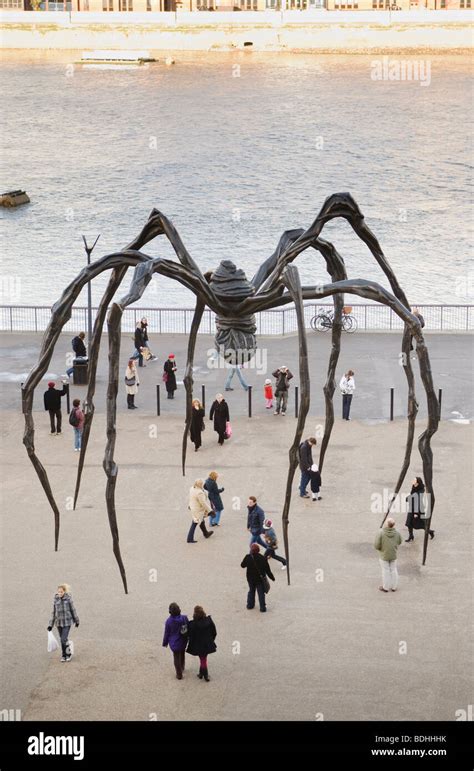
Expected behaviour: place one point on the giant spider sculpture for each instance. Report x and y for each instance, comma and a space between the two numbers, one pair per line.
235, 300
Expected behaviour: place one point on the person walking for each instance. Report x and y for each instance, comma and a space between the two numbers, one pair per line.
146, 341
305, 452
220, 413
272, 543
347, 387
200, 508
255, 520
282, 376
76, 419
416, 509
52, 404
235, 369
139, 344
214, 494
79, 349
386, 543
169, 375
63, 616
315, 482
202, 635
268, 394
176, 636
131, 383
197, 424
258, 569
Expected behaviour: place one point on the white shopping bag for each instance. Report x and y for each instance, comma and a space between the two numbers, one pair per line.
52, 643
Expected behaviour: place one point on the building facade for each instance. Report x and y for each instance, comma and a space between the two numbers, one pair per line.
143, 6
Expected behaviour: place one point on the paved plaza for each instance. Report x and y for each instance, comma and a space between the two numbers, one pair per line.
330, 646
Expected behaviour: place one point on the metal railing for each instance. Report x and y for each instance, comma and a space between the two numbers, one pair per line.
282, 321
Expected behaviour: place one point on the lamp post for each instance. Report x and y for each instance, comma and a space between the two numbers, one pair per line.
89, 250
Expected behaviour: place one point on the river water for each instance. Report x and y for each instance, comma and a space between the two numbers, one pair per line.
235, 148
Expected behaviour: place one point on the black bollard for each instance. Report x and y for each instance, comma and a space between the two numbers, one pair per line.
68, 399
296, 401
158, 399
250, 400
440, 396
203, 396
392, 390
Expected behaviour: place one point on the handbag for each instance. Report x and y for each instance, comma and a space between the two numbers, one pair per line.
52, 643
228, 430
130, 381
165, 377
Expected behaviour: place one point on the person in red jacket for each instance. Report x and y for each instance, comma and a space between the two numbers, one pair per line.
268, 392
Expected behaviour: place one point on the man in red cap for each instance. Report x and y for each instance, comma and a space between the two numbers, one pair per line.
52, 403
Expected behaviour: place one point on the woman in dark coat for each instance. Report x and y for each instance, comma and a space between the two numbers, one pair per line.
220, 413
415, 509
169, 376
202, 633
176, 636
197, 424
214, 495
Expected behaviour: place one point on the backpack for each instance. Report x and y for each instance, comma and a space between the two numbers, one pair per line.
74, 418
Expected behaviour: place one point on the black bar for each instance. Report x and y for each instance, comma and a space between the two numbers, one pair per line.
440, 396
296, 401
203, 396
158, 399
250, 400
392, 390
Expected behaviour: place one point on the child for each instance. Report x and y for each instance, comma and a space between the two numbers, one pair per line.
268, 391
315, 479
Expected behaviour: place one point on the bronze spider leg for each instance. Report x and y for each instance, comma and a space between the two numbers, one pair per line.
156, 225
291, 280
343, 205
61, 313
373, 291
142, 276
188, 375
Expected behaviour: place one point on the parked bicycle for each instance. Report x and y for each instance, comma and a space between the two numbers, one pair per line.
324, 320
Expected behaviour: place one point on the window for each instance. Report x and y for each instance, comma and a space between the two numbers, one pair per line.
12, 4
107, 5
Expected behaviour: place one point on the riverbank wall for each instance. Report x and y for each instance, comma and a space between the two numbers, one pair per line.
318, 31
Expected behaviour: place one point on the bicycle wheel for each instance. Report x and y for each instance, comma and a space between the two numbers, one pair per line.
351, 324
323, 323
312, 323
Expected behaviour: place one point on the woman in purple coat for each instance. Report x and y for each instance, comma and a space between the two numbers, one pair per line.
176, 636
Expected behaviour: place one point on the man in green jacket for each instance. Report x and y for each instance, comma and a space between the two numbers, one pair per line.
387, 542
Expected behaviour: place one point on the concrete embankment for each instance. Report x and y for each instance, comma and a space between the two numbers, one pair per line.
319, 31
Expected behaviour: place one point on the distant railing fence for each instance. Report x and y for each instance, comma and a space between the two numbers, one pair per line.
282, 321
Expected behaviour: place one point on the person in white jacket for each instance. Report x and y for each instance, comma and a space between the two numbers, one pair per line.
200, 507
347, 386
